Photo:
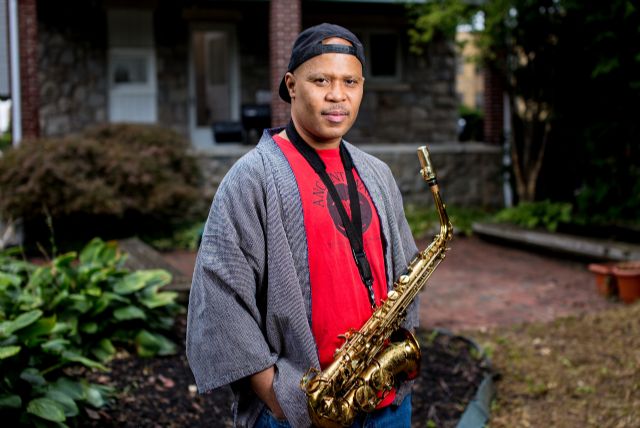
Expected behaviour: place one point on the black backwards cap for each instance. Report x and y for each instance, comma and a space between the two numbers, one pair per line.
309, 44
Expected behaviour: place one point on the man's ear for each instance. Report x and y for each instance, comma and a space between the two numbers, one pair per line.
290, 81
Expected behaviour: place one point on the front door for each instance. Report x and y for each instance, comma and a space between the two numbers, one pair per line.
214, 82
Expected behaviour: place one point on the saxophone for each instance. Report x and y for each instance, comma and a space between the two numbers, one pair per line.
366, 366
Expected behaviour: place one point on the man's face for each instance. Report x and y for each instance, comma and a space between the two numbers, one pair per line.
326, 92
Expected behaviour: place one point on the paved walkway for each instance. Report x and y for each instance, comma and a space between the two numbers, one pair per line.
481, 285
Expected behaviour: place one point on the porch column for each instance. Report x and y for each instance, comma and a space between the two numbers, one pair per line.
285, 22
29, 88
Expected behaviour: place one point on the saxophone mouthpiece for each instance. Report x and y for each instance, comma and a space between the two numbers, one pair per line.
427, 171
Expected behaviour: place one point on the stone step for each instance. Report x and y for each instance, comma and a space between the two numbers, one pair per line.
599, 249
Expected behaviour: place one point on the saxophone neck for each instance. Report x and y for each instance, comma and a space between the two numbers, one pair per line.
429, 175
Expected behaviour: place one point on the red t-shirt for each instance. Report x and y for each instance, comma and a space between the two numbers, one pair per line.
339, 299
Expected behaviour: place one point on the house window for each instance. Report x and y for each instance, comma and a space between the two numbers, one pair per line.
132, 67
129, 69
382, 51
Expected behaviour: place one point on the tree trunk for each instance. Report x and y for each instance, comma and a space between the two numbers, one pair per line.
528, 147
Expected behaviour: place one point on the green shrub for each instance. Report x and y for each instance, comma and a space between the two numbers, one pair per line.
531, 215
73, 312
107, 182
424, 221
611, 195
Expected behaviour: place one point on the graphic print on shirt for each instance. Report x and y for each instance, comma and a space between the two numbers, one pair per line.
322, 198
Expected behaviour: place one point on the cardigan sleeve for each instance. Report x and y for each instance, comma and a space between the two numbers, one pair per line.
225, 329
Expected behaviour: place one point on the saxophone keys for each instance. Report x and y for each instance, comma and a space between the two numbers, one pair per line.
366, 398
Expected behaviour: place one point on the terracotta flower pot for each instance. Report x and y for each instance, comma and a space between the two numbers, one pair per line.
605, 280
628, 279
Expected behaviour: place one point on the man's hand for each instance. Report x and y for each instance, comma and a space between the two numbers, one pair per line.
262, 385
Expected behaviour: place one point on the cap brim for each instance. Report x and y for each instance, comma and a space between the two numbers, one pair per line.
284, 92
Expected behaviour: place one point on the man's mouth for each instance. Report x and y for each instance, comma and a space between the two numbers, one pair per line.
336, 116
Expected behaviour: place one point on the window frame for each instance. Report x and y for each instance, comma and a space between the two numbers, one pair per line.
365, 37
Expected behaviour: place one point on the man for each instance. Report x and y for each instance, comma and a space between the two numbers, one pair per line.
305, 236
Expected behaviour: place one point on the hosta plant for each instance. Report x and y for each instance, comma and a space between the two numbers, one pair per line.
71, 312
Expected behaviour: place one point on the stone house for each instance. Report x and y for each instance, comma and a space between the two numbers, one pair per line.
209, 69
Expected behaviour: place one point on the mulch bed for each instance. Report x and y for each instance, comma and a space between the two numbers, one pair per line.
160, 392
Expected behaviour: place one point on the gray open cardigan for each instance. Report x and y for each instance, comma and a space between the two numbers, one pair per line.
250, 301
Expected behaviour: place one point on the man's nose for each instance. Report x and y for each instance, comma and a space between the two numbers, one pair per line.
336, 92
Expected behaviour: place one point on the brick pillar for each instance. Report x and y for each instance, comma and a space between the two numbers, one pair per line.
493, 106
30, 93
285, 23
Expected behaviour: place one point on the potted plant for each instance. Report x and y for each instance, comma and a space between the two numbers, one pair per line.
605, 279
628, 280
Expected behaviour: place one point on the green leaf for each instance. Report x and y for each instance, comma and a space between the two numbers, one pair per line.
10, 400
23, 320
104, 351
96, 395
41, 277
69, 387
9, 351
58, 298
62, 264
33, 376
69, 405
129, 313
104, 301
9, 279
150, 344
55, 346
159, 299
64, 260
93, 291
47, 409
80, 303
78, 358
89, 327
68, 327
141, 279
91, 252
41, 327
99, 252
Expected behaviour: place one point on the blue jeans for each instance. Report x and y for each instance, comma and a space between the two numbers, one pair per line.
388, 417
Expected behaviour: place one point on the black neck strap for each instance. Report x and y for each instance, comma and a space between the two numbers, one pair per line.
353, 225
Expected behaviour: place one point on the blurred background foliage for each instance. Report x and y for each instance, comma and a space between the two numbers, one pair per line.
111, 181
571, 70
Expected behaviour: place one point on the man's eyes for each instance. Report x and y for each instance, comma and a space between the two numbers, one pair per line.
323, 81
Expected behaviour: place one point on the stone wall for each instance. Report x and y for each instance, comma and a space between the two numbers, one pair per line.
171, 39
468, 173
71, 67
421, 107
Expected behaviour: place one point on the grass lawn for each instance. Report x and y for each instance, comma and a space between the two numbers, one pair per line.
572, 372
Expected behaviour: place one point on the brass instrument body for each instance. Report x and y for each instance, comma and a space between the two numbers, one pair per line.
365, 366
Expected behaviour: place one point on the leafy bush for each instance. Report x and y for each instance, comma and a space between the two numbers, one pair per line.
531, 215
424, 221
116, 178
611, 195
73, 312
